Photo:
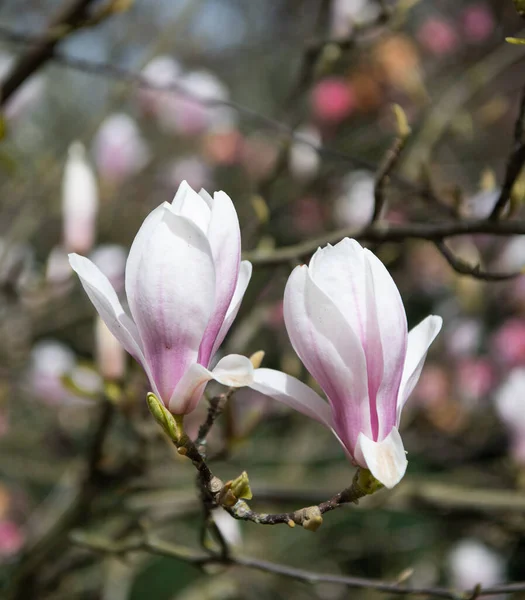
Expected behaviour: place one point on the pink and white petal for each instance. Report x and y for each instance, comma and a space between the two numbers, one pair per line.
292, 392
188, 203
386, 460
105, 300
245, 274
225, 240
386, 343
174, 295
331, 351
137, 248
419, 340
340, 272
234, 370
189, 390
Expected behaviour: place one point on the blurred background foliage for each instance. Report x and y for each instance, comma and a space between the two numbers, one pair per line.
458, 517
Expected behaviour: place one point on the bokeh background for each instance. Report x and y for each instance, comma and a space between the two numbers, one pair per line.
457, 518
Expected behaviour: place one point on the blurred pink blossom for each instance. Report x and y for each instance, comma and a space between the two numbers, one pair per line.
508, 343
200, 108
510, 406
11, 539
161, 71
433, 385
223, 147
437, 36
333, 100
110, 355
475, 378
477, 22
463, 336
50, 360
119, 149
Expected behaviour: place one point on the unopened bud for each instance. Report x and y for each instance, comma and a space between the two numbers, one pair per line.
171, 425
79, 201
312, 518
110, 355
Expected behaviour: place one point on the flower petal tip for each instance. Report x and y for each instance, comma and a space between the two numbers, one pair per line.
386, 460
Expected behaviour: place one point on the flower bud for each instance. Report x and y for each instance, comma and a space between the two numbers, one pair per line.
79, 201
110, 355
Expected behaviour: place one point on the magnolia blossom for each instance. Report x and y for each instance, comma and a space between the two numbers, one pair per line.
119, 149
347, 323
79, 201
354, 205
184, 285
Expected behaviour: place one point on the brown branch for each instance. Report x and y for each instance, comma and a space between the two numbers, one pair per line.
69, 17
433, 232
389, 162
515, 162
147, 543
464, 268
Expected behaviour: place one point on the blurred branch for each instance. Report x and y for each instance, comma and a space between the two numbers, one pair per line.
146, 543
443, 111
515, 162
434, 232
390, 161
25, 574
69, 17
464, 268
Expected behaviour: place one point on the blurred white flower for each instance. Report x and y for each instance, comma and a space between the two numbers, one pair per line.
58, 269
471, 562
480, 205
161, 71
303, 159
354, 205
119, 149
346, 13
50, 360
188, 168
463, 336
79, 201
193, 112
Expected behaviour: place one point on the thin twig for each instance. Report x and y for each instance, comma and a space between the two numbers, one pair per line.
388, 233
515, 162
464, 268
158, 547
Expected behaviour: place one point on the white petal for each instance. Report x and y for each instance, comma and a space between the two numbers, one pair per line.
191, 205
136, 251
234, 370
386, 460
387, 339
174, 296
107, 304
419, 340
245, 274
292, 392
331, 351
224, 236
189, 389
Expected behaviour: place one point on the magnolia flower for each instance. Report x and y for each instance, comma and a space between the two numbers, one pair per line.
471, 562
347, 323
79, 201
303, 158
184, 285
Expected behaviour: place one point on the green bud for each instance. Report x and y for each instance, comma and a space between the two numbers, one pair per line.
172, 425
241, 487
367, 482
